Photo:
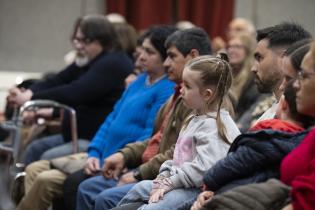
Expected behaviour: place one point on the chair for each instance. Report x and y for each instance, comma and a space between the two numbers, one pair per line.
13, 151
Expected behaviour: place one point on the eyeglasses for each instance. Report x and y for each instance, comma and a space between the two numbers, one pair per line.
303, 75
82, 40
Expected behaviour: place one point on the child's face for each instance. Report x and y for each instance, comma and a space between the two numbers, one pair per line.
191, 94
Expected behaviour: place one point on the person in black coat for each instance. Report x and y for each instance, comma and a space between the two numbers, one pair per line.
91, 85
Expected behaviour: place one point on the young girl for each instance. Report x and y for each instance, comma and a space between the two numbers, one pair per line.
201, 143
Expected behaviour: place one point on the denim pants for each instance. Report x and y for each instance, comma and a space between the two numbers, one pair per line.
171, 200
99, 193
50, 147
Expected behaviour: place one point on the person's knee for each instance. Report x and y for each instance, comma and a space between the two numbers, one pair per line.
44, 179
49, 154
83, 187
33, 152
83, 145
105, 201
31, 168
37, 167
142, 186
139, 191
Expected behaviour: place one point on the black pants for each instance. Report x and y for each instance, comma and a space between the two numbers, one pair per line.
70, 188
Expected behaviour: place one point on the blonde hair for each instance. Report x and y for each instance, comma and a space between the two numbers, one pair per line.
243, 25
214, 71
244, 73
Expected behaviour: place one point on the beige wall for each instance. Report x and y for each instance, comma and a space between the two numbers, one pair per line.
269, 12
34, 34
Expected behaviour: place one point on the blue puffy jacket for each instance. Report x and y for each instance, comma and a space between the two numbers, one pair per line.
253, 157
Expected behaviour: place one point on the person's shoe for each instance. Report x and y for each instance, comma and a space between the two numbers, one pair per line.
17, 190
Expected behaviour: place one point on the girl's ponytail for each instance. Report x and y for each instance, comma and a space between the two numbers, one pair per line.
223, 86
215, 71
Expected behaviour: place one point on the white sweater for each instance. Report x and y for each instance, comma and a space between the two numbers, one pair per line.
197, 149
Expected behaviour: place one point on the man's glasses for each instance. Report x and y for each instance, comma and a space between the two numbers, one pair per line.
303, 75
81, 40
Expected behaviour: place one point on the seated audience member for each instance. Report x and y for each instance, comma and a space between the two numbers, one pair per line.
127, 36
240, 51
143, 159
265, 151
272, 42
296, 168
138, 67
91, 85
184, 24
292, 60
290, 67
132, 119
116, 18
235, 27
240, 25
254, 156
204, 139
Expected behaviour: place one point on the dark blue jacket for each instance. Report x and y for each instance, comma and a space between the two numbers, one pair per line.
91, 90
253, 157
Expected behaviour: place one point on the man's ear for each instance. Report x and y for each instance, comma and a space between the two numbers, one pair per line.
207, 94
283, 104
193, 53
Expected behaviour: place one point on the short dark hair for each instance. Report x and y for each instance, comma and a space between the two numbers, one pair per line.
188, 39
98, 28
157, 35
290, 97
283, 34
297, 51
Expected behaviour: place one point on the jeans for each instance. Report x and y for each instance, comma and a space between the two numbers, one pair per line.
99, 193
171, 200
50, 147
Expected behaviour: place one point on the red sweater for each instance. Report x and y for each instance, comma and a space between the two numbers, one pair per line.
276, 124
298, 171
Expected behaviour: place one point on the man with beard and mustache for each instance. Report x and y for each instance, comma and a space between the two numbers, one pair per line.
91, 85
272, 42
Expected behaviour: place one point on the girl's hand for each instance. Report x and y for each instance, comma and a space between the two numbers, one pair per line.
203, 198
156, 195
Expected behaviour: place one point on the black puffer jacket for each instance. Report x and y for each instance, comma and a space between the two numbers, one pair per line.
253, 157
271, 195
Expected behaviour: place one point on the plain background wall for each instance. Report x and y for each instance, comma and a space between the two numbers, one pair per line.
270, 12
35, 34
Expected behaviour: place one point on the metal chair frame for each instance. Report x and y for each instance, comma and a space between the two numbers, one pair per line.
15, 124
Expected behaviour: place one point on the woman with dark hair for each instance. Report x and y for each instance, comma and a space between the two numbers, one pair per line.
297, 169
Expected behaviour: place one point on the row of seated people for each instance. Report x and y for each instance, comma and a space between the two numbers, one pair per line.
193, 131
